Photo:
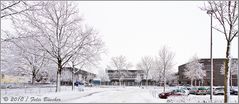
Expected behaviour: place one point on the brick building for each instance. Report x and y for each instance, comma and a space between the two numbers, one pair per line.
218, 78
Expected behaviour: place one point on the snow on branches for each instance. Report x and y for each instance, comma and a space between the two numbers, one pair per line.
194, 69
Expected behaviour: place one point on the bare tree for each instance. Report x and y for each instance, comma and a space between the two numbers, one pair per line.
103, 75
120, 63
13, 10
10, 8
157, 72
35, 62
194, 70
171, 77
146, 65
59, 31
138, 78
166, 60
86, 57
26, 62
226, 13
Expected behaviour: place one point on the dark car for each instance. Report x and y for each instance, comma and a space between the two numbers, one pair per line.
234, 91
173, 85
78, 83
176, 92
88, 85
187, 85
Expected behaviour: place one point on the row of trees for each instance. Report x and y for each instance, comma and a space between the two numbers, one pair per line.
48, 36
157, 68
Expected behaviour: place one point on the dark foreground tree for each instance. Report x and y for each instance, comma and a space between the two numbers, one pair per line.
226, 13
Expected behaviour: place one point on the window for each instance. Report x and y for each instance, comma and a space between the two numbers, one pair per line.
207, 67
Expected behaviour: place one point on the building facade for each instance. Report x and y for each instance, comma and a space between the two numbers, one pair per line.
218, 77
81, 75
128, 77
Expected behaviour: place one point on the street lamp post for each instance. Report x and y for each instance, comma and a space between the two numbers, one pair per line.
238, 64
211, 84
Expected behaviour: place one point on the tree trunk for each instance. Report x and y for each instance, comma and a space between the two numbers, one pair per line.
33, 79
72, 79
202, 82
164, 80
191, 82
195, 82
58, 79
231, 80
33, 76
120, 82
227, 74
58, 82
146, 82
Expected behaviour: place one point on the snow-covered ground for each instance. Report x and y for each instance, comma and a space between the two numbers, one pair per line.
201, 99
121, 95
101, 94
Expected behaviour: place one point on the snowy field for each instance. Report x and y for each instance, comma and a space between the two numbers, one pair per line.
101, 94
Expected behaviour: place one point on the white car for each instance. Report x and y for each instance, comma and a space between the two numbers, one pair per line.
186, 89
182, 91
218, 91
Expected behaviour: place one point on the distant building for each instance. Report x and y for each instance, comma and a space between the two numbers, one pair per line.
218, 78
127, 77
81, 75
13, 79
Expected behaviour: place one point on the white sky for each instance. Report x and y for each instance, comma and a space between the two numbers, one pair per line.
140, 28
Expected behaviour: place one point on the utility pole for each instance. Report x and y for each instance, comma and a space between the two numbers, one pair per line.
238, 64
211, 77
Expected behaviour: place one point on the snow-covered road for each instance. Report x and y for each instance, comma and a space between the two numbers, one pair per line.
101, 94
120, 95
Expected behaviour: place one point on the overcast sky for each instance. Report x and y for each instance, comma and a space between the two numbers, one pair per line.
140, 28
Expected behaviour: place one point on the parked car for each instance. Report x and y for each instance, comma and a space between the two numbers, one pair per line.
218, 91
201, 91
172, 85
209, 90
88, 85
78, 83
176, 92
193, 90
198, 91
186, 89
187, 85
234, 91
